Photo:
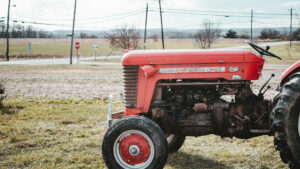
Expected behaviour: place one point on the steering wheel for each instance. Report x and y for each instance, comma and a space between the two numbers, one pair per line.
263, 51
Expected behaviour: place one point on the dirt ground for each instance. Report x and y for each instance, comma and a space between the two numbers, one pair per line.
81, 82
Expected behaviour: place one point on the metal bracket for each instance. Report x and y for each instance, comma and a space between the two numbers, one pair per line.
111, 121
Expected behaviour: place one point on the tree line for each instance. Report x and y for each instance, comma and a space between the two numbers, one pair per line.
266, 33
19, 31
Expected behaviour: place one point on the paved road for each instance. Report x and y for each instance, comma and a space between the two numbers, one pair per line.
83, 60
271, 66
89, 60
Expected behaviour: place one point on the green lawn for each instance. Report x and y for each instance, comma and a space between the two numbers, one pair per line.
47, 133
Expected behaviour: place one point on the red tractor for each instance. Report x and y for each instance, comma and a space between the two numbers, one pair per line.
171, 94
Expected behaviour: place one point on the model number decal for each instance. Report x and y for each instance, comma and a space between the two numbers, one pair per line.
192, 69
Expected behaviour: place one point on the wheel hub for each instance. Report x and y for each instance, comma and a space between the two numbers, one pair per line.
134, 150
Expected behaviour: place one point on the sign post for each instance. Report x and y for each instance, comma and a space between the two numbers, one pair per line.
29, 49
95, 49
194, 42
77, 46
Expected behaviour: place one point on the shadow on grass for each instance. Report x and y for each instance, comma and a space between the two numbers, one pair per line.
6, 110
181, 160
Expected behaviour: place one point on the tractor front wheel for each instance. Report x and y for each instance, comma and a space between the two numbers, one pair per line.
286, 122
135, 142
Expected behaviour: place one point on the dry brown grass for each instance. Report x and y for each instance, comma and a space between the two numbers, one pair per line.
49, 133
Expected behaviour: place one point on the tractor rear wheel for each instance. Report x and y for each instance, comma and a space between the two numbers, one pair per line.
174, 142
286, 122
135, 142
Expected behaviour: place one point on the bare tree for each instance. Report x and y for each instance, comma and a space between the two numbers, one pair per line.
83, 35
2, 30
155, 38
123, 37
207, 35
270, 34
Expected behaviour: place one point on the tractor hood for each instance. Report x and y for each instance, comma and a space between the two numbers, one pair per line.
167, 57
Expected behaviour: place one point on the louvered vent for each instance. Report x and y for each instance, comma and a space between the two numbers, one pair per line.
130, 79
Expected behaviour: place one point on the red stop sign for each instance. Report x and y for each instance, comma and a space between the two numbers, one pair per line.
77, 45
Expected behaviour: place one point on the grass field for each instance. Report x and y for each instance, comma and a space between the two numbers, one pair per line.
289, 55
53, 133
56, 48
61, 48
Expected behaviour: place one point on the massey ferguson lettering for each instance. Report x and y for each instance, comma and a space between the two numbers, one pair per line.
192, 69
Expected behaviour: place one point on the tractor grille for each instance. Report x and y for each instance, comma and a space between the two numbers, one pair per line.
130, 77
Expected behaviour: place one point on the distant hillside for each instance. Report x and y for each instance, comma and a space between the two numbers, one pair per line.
169, 33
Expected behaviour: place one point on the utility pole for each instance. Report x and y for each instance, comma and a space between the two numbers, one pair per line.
71, 53
162, 28
145, 33
251, 24
7, 32
291, 27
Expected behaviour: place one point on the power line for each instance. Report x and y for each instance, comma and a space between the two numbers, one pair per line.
116, 18
84, 19
79, 23
208, 14
212, 11
178, 11
198, 25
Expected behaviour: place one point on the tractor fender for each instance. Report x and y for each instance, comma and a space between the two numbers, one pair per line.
290, 71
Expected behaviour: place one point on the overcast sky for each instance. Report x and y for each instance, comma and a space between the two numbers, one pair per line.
101, 15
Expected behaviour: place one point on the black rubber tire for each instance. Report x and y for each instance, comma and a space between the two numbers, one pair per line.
143, 124
176, 143
285, 122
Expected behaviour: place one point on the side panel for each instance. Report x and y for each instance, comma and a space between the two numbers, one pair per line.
293, 69
252, 71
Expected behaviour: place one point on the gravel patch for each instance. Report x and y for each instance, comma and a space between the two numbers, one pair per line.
88, 82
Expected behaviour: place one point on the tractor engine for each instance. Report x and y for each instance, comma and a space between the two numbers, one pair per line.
195, 108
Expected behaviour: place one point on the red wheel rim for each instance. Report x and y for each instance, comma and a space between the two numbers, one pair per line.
134, 149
